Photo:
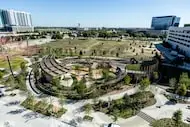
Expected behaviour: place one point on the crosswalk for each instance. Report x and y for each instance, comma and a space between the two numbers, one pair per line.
146, 117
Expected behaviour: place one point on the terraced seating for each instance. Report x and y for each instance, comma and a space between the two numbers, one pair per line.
45, 68
32, 83
58, 65
52, 67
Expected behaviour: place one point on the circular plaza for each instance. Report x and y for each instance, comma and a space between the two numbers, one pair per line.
79, 77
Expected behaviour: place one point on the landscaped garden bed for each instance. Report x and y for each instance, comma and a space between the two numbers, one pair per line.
167, 122
127, 106
43, 107
87, 118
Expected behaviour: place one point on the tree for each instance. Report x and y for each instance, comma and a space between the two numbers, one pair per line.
144, 84
155, 75
127, 80
10, 81
70, 52
80, 88
77, 69
42, 105
80, 53
142, 50
173, 83
1, 75
182, 90
177, 117
115, 118
127, 99
30, 99
21, 82
105, 74
56, 81
49, 109
23, 67
184, 79
95, 100
87, 108
75, 50
104, 53
57, 36
117, 54
36, 72
62, 100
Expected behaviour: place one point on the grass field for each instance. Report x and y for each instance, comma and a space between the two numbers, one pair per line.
125, 48
133, 67
15, 62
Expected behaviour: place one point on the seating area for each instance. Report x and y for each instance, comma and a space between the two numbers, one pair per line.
51, 67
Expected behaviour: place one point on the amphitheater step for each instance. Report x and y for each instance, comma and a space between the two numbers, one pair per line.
32, 85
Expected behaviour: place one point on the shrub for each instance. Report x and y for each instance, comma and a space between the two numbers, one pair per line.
87, 118
127, 80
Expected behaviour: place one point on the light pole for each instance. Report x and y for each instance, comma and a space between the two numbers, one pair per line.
10, 66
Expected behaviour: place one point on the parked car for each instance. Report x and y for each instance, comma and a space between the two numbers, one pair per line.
1, 93
111, 125
13, 94
188, 119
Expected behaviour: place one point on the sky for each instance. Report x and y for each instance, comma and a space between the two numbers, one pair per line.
99, 13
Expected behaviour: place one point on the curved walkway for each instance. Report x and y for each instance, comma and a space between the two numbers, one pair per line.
30, 83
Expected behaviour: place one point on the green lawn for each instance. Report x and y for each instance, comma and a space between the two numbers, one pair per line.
15, 63
124, 48
134, 67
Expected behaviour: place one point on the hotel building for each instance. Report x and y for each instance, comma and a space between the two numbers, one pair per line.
179, 39
16, 21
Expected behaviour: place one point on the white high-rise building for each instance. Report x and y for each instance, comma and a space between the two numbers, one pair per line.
16, 21
179, 38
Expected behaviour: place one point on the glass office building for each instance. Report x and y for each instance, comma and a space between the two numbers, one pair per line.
164, 22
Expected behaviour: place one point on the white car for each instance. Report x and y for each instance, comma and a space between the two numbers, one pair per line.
1, 93
111, 125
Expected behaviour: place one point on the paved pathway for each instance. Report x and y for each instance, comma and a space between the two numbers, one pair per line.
166, 109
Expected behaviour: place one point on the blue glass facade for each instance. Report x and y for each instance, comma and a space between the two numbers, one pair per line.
163, 23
